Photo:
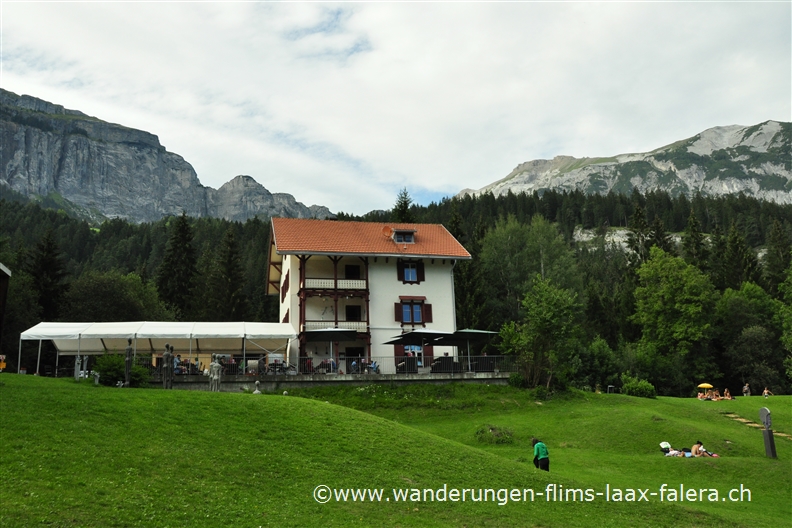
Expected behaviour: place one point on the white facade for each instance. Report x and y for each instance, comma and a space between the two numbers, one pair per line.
375, 298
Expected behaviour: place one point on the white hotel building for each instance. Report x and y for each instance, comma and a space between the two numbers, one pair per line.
368, 281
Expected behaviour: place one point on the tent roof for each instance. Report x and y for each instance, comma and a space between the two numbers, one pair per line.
55, 331
151, 336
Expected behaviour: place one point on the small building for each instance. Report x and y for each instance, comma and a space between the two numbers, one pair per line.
348, 287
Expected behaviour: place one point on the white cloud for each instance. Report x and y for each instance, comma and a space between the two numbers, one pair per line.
344, 104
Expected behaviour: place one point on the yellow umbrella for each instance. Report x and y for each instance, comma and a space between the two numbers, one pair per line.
705, 386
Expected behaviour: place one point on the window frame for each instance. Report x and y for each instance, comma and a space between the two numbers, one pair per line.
411, 307
418, 353
410, 273
402, 267
404, 237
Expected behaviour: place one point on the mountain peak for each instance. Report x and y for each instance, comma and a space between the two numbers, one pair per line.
754, 160
113, 171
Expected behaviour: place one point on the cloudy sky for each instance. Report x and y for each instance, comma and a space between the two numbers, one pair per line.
343, 104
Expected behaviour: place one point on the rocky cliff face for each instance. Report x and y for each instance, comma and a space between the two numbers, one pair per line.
118, 172
753, 160
243, 198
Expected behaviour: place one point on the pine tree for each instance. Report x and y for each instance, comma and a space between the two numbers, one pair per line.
639, 238
739, 261
177, 273
226, 299
660, 237
777, 258
49, 276
467, 280
401, 211
694, 244
717, 259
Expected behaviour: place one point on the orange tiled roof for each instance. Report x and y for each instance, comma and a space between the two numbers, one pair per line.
305, 236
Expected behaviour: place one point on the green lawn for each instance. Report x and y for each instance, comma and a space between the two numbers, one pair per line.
77, 455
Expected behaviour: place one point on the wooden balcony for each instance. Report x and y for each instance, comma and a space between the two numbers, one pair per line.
333, 284
358, 326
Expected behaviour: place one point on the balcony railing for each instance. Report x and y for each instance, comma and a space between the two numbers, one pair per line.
359, 326
331, 284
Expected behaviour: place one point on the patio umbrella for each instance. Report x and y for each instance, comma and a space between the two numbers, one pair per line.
704, 386
418, 337
465, 337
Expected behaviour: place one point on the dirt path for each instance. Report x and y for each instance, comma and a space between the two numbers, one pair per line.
749, 423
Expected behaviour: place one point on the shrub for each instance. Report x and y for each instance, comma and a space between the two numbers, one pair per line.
492, 434
111, 370
516, 380
540, 393
637, 387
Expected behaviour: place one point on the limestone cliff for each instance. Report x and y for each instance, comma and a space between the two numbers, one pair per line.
734, 159
243, 198
118, 172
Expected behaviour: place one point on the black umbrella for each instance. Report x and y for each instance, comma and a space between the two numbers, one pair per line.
464, 338
418, 337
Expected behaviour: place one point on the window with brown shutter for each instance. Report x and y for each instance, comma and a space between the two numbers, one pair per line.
410, 271
412, 311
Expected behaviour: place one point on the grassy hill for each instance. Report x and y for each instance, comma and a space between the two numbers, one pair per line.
77, 455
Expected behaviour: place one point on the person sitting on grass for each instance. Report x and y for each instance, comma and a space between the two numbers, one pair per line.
698, 450
726, 394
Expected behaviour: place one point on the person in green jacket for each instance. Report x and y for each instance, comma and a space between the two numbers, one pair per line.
541, 456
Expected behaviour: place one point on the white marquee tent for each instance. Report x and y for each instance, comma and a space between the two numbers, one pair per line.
149, 337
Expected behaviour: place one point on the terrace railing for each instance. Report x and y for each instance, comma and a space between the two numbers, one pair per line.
335, 284
368, 367
406, 365
358, 326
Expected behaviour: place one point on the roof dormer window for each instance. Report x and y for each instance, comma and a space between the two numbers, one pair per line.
404, 236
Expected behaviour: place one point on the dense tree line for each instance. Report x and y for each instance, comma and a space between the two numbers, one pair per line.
696, 291
178, 268
710, 303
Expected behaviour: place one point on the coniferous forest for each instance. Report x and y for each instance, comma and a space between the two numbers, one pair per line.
689, 290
